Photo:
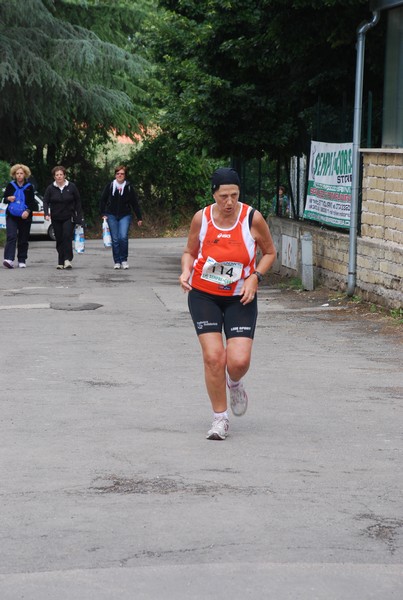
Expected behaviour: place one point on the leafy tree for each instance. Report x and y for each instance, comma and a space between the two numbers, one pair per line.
173, 180
244, 77
4, 175
119, 22
63, 88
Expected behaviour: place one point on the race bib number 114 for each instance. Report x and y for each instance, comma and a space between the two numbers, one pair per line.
222, 273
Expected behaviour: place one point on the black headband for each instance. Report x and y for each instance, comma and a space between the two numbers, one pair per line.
224, 176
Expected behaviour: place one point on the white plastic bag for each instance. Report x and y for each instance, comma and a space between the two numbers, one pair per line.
79, 241
3, 207
106, 234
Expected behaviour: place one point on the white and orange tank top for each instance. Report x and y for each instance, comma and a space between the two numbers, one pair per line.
226, 256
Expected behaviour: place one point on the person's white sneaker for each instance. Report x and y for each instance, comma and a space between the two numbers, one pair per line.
9, 264
238, 398
117, 266
219, 429
22, 265
125, 265
67, 264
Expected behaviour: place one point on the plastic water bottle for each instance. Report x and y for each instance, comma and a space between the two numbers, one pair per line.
106, 234
79, 242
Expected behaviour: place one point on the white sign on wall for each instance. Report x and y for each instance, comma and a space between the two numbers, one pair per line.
289, 249
329, 184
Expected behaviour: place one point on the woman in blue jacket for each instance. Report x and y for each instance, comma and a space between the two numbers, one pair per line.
18, 222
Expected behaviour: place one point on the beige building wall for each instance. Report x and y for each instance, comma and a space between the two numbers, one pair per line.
379, 248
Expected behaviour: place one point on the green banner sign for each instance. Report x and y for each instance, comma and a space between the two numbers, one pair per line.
329, 184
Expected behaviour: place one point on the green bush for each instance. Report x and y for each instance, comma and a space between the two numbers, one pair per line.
4, 175
90, 180
4, 179
172, 181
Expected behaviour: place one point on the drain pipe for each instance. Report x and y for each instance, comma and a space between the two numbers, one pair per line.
359, 76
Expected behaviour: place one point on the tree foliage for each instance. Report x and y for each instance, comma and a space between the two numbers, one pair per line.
60, 81
120, 22
173, 180
231, 78
244, 77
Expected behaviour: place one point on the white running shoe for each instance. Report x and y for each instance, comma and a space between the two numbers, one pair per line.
22, 265
9, 264
117, 266
67, 264
219, 429
125, 265
238, 398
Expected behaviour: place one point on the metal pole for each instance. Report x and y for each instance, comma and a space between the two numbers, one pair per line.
369, 121
298, 185
259, 194
359, 76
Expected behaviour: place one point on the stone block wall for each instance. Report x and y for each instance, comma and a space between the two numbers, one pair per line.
380, 246
382, 196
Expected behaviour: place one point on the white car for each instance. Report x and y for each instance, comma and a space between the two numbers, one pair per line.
39, 225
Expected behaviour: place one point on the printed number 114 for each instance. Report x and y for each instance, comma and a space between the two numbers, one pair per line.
221, 268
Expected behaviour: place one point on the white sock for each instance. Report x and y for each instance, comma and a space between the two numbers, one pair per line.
222, 415
231, 382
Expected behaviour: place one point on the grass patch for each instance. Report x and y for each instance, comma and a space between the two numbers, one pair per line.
337, 296
294, 283
397, 313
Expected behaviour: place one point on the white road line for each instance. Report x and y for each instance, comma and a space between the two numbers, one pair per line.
24, 306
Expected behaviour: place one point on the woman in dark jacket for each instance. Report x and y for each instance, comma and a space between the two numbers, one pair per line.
118, 200
18, 225
62, 204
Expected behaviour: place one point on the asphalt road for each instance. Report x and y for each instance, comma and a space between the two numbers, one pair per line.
109, 488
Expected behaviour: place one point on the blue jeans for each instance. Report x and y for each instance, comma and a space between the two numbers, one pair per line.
119, 228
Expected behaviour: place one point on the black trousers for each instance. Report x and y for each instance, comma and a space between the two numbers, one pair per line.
64, 239
17, 237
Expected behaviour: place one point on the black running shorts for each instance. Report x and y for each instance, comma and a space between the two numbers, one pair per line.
211, 312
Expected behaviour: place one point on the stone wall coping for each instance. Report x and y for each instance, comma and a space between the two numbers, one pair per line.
382, 150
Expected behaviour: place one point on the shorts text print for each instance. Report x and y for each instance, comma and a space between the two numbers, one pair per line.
205, 324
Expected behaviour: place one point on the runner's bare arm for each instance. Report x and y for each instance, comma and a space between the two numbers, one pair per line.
191, 250
261, 233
